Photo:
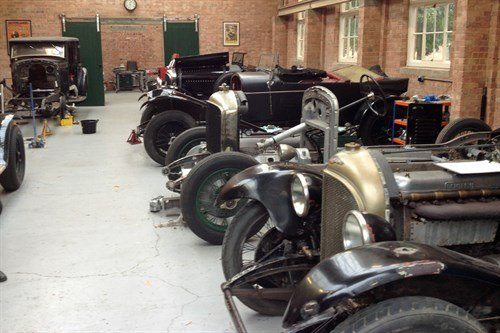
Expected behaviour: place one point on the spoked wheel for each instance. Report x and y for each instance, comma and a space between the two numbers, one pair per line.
374, 130
191, 141
162, 129
199, 193
251, 239
460, 127
13, 176
378, 102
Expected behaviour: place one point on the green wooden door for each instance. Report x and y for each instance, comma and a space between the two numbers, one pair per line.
181, 38
90, 57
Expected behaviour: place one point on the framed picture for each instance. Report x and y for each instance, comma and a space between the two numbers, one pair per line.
231, 33
17, 28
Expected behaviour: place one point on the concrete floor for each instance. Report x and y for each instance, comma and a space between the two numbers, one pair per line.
81, 249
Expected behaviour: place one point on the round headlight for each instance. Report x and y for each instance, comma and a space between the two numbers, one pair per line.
356, 231
300, 195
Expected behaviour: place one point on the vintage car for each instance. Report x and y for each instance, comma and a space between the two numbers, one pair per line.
51, 65
272, 97
411, 234
317, 138
12, 159
192, 81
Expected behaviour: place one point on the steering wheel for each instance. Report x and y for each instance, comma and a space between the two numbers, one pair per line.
369, 86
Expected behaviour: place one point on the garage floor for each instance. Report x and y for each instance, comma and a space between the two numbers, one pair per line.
81, 249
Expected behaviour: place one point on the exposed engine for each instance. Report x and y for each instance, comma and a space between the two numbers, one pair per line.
427, 199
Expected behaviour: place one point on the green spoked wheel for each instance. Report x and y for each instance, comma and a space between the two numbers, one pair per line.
199, 193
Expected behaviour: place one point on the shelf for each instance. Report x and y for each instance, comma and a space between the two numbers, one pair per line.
398, 141
404, 123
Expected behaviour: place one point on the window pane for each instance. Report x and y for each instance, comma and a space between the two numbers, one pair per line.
344, 48
440, 24
439, 47
351, 26
420, 19
355, 30
430, 14
429, 46
418, 47
451, 15
346, 27
355, 47
448, 46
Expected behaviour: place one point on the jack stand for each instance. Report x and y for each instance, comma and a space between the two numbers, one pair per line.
46, 131
170, 204
37, 141
133, 138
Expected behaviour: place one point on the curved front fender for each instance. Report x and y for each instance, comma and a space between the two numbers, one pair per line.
270, 185
352, 273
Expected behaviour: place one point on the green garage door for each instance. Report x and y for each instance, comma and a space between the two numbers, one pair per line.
181, 38
91, 58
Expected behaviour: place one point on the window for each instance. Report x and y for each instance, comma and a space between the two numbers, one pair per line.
301, 35
430, 33
348, 42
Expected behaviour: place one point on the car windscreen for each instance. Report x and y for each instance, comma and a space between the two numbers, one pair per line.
37, 50
268, 61
352, 72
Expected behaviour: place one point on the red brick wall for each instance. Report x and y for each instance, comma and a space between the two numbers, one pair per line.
255, 19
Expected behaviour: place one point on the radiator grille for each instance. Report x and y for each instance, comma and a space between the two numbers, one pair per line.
337, 201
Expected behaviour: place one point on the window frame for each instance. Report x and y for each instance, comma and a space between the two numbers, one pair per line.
347, 13
412, 27
301, 35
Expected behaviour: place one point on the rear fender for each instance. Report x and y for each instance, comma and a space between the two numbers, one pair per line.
271, 186
5, 128
362, 271
174, 100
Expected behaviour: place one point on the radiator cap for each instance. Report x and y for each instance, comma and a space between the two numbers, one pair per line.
352, 146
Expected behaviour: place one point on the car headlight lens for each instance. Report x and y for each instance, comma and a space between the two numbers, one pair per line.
356, 231
300, 195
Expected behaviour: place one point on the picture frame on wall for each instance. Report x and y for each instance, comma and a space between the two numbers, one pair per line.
231, 33
16, 29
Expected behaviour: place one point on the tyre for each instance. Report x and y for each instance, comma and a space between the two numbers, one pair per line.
224, 78
182, 144
13, 176
461, 126
374, 130
162, 129
148, 113
201, 189
250, 219
411, 315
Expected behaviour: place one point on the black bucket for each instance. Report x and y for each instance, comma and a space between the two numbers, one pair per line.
89, 126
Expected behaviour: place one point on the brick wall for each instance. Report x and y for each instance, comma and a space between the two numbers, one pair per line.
255, 19
383, 39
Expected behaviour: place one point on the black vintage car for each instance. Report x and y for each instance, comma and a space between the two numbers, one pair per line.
272, 97
402, 233
12, 159
52, 66
189, 80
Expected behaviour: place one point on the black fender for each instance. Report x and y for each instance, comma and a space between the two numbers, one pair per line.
6, 127
271, 186
394, 269
172, 99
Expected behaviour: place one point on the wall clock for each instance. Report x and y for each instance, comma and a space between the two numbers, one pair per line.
130, 5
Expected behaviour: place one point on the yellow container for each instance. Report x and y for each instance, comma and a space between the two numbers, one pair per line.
66, 121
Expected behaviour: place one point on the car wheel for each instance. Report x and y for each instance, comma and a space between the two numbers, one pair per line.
224, 78
238, 252
411, 315
182, 144
461, 126
162, 129
13, 176
200, 191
